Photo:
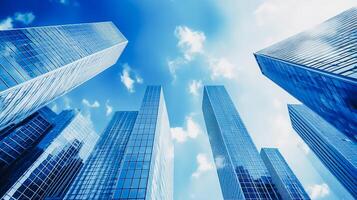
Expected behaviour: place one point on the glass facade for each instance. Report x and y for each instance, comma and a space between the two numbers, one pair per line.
336, 151
319, 68
244, 175
132, 161
335, 186
146, 171
56, 159
19, 139
283, 177
40, 64
99, 176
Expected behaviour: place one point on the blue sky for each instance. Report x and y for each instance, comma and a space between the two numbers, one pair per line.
182, 45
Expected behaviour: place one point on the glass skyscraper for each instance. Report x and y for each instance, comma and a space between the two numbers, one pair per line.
99, 176
319, 68
47, 170
39, 64
17, 141
243, 175
286, 182
132, 161
336, 151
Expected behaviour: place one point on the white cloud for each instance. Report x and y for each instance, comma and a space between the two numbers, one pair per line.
139, 79
221, 67
192, 130
95, 104
25, 18
175, 64
194, 87
220, 161
318, 190
109, 108
204, 165
6, 24
127, 80
190, 41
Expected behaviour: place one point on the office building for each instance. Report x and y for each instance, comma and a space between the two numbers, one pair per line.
39, 64
17, 141
319, 68
142, 163
243, 174
283, 177
48, 169
335, 150
328, 178
99, 176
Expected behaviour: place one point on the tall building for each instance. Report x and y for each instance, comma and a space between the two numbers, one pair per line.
39, 64
328, 178
48, 169
243, 174
132, 161
99, 176
286, 182
335, 150
319, 68
17, 141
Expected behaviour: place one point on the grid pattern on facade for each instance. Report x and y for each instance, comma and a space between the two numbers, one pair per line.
99, 176
39, 64
336, 151
283, 177
330, 46
135, 167
71, 138
21, 139
237, 147
318, 67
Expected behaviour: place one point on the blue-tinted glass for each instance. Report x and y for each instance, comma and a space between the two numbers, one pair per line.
132, 161
319, 68
243, 174
51, 165
47, 62
336, 151
100, 173
288, 185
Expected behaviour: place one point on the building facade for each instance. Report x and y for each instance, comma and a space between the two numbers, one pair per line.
335, 150
286, 182
17, 141
141, 166
318, 67
55, 160
39, 64
99, 176
243, 174
329, 179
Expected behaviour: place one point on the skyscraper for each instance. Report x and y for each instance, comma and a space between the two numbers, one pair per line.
99, 176
335, 150
328, 178
17, 141
288, 185
48, 169
318, 67
243, 174
39, 64
132, 161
